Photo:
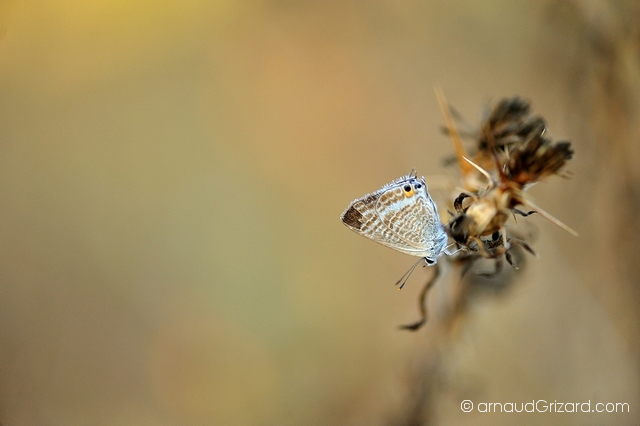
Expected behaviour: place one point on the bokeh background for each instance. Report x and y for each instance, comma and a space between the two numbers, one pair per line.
171, 180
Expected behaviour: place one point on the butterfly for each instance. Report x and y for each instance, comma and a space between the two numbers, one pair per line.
400, 215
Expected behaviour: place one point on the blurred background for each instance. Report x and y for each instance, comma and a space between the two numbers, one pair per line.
171, 180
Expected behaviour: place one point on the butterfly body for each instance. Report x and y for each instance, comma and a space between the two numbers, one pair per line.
401, 215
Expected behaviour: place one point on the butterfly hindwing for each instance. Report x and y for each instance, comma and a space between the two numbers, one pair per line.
401, 216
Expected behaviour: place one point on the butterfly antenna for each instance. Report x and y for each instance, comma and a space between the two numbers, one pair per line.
448, 252
407, 274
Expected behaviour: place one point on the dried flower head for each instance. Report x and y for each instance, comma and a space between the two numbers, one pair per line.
511, 153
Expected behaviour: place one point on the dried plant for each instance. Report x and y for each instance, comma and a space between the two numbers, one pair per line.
511, 154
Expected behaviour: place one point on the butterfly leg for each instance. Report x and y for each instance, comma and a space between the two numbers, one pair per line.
422, 301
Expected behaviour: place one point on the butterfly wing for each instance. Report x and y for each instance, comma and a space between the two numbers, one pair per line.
413, 218
401, 216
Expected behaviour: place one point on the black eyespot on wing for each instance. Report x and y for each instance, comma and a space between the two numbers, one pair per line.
418, 185
352, 218
407, 188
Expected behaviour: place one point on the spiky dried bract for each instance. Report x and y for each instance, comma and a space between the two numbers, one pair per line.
536, 159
